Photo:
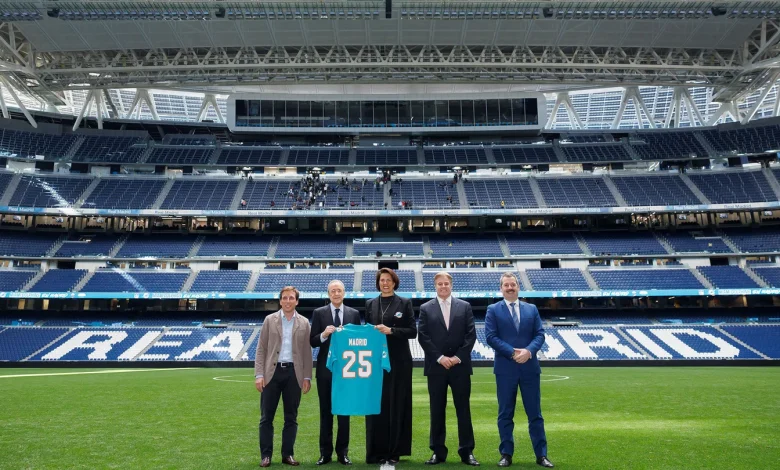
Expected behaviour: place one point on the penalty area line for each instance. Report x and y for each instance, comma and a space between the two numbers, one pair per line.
117, 371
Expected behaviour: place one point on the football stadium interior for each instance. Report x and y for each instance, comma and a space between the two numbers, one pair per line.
166, 167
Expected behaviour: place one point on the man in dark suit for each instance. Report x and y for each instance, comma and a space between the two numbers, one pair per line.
324, 322
514, 330
447, 334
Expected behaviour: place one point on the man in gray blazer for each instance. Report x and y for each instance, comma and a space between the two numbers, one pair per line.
447, 335
283, 366
324, 322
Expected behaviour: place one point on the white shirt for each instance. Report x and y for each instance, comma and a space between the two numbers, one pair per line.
449, 301
333, 317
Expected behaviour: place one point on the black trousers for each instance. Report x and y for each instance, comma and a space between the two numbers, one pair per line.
461, 393
283, 385
324, 387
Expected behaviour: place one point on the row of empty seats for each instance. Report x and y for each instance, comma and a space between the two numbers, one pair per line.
605, 243
511, 193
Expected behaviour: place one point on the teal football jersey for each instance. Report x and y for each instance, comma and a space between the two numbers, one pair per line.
356, 358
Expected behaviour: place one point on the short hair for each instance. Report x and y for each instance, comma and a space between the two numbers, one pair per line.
337, 281
390, 273
508, 274
287, 289
442, 274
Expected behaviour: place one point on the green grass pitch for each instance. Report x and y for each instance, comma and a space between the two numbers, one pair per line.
597, 418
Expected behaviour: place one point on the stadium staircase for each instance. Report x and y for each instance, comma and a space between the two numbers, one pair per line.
740, 342
74, 148
10, 190
56, 246
272, 248
388, 199
118, 245
669, 249
583, 246
491, 159
770, 177
614, 190
464, 203
190, 281
250, 287
727, 241
694, 189
559, 153
504, 246
284, 156
85, 195
215, 156
537, 193
752, 275
420, 156
145, 156
631, 341
235, 204
589, 279
358, 281
525, 281
83, 282
48, 345
350, 249
352, 157
32, 281
196, 246
163, 194
426, 247
631, 152
712, 153
152, 343
419, 284
698, 275
243, 353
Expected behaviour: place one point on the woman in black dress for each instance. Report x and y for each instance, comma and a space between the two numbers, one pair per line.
389, 434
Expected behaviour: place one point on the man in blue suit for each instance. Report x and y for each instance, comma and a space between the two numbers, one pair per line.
514, 330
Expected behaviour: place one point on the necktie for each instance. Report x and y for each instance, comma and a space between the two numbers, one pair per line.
336, 319
515, 316
445, 310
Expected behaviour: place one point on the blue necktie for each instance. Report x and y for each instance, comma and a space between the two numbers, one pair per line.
336, 319
515, 316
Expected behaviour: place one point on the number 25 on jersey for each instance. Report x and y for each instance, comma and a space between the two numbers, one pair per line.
364, 364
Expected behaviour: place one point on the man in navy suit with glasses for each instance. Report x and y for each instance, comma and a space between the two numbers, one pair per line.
514, 330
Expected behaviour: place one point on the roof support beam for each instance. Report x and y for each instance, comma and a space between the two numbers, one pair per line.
142, 96
767, 88
210, 100
4, 83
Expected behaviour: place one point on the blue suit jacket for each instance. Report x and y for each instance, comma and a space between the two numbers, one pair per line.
504, 338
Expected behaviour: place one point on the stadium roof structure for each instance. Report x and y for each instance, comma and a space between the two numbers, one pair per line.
219, 47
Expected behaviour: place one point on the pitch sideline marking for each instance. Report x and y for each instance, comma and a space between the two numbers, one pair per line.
118, 371
227, 378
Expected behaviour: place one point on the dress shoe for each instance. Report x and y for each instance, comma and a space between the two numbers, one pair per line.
323, 460
434, 460
544, 462
470, 460
506, 460
393, 460
290, 460
265, 462
344, 460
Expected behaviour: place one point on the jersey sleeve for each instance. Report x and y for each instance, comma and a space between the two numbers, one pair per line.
334, 345
385, 355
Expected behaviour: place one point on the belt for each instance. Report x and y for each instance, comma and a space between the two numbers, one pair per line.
285, 365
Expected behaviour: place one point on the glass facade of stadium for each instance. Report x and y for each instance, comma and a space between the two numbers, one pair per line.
596, 108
